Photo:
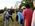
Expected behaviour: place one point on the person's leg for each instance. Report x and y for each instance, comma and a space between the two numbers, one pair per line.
17, 18
22, 24
4, 22
11, 18
7, 23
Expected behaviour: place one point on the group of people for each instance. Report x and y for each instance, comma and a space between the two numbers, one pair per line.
6, 15
26, 17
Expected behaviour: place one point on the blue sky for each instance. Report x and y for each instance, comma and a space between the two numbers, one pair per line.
8, 3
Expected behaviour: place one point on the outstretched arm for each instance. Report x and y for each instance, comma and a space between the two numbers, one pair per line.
11, 18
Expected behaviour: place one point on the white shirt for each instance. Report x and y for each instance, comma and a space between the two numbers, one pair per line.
33, 19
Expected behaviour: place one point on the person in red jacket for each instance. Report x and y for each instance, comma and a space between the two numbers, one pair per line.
27, 13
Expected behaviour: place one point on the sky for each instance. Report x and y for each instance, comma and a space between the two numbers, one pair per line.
8, 3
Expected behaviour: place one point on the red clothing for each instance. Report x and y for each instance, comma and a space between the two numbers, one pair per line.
27, 13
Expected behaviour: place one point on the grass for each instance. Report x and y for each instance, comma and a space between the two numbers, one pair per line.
1, 22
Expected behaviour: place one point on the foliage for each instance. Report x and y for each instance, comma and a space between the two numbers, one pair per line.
1, 11
30, 3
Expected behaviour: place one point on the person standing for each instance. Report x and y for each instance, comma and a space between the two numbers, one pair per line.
33, 19
20, 17
27, 13
7, 15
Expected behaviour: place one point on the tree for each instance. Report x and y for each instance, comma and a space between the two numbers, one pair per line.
1, 11
30, 2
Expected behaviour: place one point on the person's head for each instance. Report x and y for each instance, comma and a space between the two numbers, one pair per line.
27, 6
20, 10
5, 8
11, 10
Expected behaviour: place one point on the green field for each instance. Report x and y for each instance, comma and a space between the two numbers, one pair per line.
10, 22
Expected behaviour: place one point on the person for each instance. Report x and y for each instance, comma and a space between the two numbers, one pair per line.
33, 19
20, 17
27, 13
7, 15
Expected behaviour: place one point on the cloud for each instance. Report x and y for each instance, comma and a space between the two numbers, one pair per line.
8, 3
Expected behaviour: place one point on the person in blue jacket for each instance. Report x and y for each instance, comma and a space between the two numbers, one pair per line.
20, 17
